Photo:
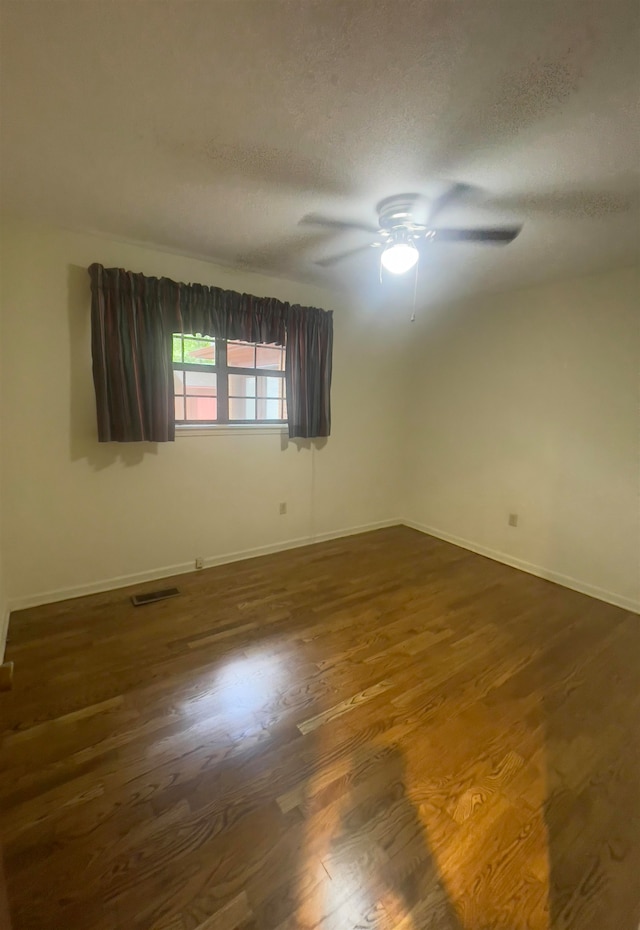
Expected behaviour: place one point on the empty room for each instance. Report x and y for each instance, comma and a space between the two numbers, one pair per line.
319, 465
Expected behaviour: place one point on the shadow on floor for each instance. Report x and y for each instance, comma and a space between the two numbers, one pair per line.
367, 832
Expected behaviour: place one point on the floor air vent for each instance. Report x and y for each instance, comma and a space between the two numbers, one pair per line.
139, 599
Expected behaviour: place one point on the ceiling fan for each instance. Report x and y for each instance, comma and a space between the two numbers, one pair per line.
399, 231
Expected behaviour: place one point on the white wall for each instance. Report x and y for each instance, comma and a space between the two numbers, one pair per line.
528, 402
80, 515
523, 402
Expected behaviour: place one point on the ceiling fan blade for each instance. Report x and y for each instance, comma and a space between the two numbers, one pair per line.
334, 259
315, 219
500, 236
455, 192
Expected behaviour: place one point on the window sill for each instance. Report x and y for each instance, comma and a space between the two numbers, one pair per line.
232, 429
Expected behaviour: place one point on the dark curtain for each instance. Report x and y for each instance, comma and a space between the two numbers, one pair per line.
308, 372
133, 318
131, 349
194, 308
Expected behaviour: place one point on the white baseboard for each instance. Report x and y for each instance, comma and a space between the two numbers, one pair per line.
123, 581
4, 630
540, 571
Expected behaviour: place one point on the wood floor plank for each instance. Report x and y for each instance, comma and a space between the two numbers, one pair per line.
306, 726
384, 732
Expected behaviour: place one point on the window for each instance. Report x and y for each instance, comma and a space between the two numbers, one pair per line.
216, 381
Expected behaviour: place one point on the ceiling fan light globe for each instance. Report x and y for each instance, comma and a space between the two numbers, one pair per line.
399, 257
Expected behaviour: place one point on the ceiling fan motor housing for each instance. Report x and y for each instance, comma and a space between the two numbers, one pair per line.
397, 212
395, 216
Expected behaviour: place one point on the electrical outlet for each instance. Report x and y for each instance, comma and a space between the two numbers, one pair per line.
283, 507
513, 519
199, 562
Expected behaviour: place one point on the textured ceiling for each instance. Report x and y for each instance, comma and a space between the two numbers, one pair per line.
212, 128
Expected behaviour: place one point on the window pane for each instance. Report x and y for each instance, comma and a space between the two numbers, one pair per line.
270, 357
177, 348
284, 409
178, 382
241, 355
268, 409
179, 408
242, 408
270, 387
242, 386
199, 351
202, 408
201, 383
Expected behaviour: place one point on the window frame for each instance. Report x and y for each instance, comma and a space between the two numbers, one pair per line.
222, 371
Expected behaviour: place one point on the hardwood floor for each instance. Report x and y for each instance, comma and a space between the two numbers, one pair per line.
380, 732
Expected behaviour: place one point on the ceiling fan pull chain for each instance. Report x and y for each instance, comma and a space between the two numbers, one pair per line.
412, 318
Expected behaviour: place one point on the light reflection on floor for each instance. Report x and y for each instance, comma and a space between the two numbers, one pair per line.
501, 798
240, 686
349, 867
466, 841
248, 683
